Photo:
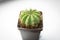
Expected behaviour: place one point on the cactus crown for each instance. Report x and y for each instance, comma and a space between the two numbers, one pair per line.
30, 17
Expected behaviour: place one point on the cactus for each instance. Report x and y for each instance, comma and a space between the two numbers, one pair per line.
30, 18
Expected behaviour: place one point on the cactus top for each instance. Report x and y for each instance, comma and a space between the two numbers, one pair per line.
30, 17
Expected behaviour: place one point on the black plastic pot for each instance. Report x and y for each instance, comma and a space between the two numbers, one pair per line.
30, 34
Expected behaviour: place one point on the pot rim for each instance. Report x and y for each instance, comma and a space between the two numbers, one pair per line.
30, 29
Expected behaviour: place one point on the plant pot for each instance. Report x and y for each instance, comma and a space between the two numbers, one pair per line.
30, 34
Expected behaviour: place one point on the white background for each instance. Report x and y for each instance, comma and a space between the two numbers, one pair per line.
9, 12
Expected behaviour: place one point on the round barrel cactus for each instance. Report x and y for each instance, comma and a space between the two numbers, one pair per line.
30, 18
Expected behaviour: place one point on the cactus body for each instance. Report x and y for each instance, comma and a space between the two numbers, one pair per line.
30, 18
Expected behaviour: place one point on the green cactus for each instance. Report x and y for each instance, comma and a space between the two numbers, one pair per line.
30, 18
